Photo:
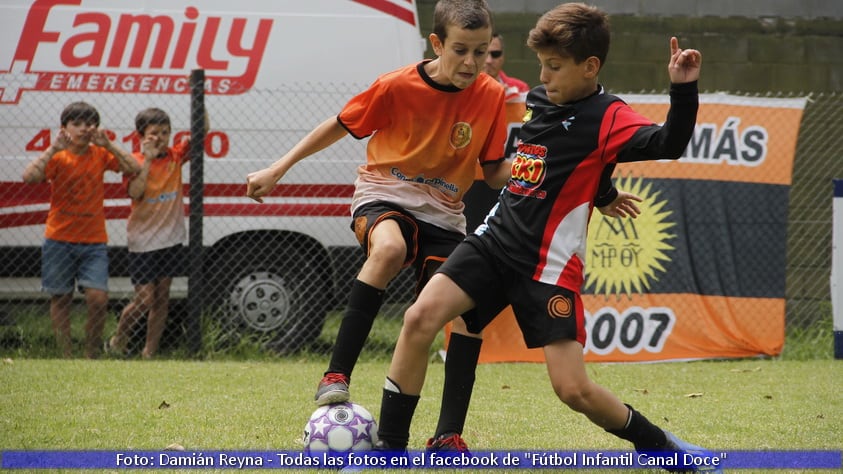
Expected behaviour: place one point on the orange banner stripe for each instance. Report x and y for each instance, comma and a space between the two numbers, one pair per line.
703, 327
736, 139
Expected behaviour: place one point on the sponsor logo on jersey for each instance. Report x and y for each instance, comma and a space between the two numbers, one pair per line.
528, 171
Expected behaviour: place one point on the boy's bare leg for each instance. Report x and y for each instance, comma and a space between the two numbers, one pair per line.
97, 302
157, 317
131, 313
60, 318
439, 302
387, 253
566, 368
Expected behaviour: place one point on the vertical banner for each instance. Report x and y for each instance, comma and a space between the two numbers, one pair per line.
701, 273
837, 267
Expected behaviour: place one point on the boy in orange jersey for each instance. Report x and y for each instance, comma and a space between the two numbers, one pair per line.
74, 248
155, 229
430, 124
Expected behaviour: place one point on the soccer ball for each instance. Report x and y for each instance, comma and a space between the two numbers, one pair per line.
341, 427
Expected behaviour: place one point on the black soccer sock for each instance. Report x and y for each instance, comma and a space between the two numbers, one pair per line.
460, 367
644, 435
397, 411
363, 305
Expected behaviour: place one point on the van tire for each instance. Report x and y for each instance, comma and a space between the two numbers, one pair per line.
277, 298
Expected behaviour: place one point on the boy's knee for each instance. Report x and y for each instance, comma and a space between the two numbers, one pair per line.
422, 319
414, 319
389, 252
96, 298
144, 304
63, 299
573, 395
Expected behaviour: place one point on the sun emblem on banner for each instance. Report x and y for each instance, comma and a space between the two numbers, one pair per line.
625, 256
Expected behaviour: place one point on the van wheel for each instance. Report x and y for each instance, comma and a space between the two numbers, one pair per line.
280, 301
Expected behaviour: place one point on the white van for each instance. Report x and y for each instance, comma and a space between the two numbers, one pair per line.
273, 69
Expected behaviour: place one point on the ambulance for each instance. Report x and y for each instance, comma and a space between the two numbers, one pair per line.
273, 70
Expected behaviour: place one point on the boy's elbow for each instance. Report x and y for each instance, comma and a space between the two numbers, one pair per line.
678, 151
673, 151
674, 156
32, 178
496, 183
497, 175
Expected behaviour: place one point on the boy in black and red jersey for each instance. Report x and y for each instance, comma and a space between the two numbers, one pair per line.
530, 250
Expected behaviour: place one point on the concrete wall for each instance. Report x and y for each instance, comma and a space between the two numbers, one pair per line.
812, 9
773, 50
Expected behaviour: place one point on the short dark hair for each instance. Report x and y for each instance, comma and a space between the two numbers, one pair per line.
573, 30
80, 111
465, 14
150, 116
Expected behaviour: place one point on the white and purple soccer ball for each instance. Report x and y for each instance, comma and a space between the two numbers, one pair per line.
341, 427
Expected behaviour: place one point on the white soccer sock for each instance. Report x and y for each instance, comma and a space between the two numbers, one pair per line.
390, 385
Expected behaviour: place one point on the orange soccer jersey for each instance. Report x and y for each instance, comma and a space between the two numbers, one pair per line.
426, 138
157, 219
77, 212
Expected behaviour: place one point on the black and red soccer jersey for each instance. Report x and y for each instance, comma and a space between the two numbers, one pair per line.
540, 221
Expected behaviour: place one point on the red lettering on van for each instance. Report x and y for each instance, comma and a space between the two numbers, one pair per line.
135, 53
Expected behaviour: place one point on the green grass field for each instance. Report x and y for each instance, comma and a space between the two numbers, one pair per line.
263, 405
242, 398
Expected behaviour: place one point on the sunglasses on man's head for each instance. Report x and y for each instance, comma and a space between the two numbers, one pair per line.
496, 54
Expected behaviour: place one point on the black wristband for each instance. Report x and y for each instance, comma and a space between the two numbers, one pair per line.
607, 198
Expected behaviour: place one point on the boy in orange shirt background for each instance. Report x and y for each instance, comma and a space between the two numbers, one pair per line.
74, 249
155, 230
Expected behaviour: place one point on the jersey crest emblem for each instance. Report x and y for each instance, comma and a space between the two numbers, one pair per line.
460, 135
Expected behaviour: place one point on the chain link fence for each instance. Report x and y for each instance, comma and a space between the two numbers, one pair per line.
275, 276
817, 163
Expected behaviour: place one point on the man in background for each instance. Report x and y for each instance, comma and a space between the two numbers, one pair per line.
516, 89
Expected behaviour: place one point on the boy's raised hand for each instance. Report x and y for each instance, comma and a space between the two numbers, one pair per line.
62, 140
684, 65
99, 138
148, 148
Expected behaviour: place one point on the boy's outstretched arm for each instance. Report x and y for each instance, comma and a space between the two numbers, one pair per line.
669, 141
206, 124
684, 65
260, 183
